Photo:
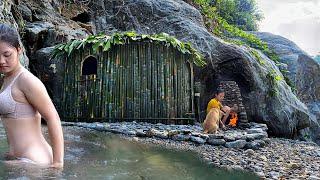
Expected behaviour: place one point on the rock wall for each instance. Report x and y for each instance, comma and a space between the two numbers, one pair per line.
304, 72
7, 17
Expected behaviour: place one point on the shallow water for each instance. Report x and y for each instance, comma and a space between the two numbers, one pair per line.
96, 155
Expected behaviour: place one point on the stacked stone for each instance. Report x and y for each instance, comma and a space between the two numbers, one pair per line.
255, 136
232, 97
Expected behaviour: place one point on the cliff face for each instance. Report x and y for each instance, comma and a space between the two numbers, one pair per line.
49, 23
304, 72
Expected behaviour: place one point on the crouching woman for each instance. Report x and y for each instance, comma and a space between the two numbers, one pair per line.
216, 103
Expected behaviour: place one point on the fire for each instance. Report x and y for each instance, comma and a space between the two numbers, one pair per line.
233, 119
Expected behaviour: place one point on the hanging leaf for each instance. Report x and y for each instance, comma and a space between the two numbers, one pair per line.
73, 46
130, 34
106, 45
96, 46
106, 41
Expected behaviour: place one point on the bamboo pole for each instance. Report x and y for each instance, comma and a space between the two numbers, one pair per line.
103, 91
112, 83
143, 80
163, 110
179, 85
65, 85
137, 80
139, 90
158, 78
115, 88
149, 75
121, 83
192, 88
108, 85
176, 83
77, 57
126, 78
154, 80
130, 82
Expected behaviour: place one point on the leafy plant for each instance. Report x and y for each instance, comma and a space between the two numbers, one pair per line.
257, 56
105, 42
273, 79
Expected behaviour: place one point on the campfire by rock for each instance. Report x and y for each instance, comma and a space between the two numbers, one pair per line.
233, 97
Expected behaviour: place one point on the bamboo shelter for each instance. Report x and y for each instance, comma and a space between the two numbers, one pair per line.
127, 77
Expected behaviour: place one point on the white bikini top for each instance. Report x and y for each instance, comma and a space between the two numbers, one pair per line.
9, 108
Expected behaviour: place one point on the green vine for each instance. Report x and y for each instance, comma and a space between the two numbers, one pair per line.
273, 79
257, 56
105, 42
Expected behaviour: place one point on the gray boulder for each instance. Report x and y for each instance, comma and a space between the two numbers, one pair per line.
304, 72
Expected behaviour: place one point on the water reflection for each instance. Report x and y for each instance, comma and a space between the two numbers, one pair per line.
95, 155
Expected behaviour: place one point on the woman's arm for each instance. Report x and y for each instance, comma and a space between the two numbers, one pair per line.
37, 95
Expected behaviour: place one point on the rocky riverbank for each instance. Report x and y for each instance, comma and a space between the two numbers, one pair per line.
247, 148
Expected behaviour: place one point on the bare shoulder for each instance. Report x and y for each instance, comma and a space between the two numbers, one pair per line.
29, 81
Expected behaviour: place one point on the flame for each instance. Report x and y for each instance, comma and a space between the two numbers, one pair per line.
233, 119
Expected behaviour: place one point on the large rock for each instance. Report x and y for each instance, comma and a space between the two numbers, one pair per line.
308, 90
304, 71
283, 113
50, 72
7, 17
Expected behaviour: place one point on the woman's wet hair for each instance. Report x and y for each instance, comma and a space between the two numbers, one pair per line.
9, 35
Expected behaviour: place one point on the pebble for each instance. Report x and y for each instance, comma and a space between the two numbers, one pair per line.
236, 144
249, 152
216, 142
314, 177
279, 158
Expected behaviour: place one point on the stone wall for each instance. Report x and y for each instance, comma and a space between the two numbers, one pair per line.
233, 97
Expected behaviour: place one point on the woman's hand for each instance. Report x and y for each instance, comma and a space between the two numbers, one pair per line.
223, 113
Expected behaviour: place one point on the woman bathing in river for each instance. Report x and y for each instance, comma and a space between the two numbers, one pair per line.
23, 100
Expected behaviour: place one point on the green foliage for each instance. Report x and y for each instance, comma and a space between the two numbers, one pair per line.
243, 14
272, 79
105, 42
257, 56
223, 28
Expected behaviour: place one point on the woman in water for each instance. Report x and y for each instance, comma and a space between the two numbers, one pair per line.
23, 100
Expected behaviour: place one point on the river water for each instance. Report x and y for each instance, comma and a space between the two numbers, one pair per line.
92, 155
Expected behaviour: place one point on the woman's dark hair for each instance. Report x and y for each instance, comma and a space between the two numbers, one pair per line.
218, 91
9, 35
